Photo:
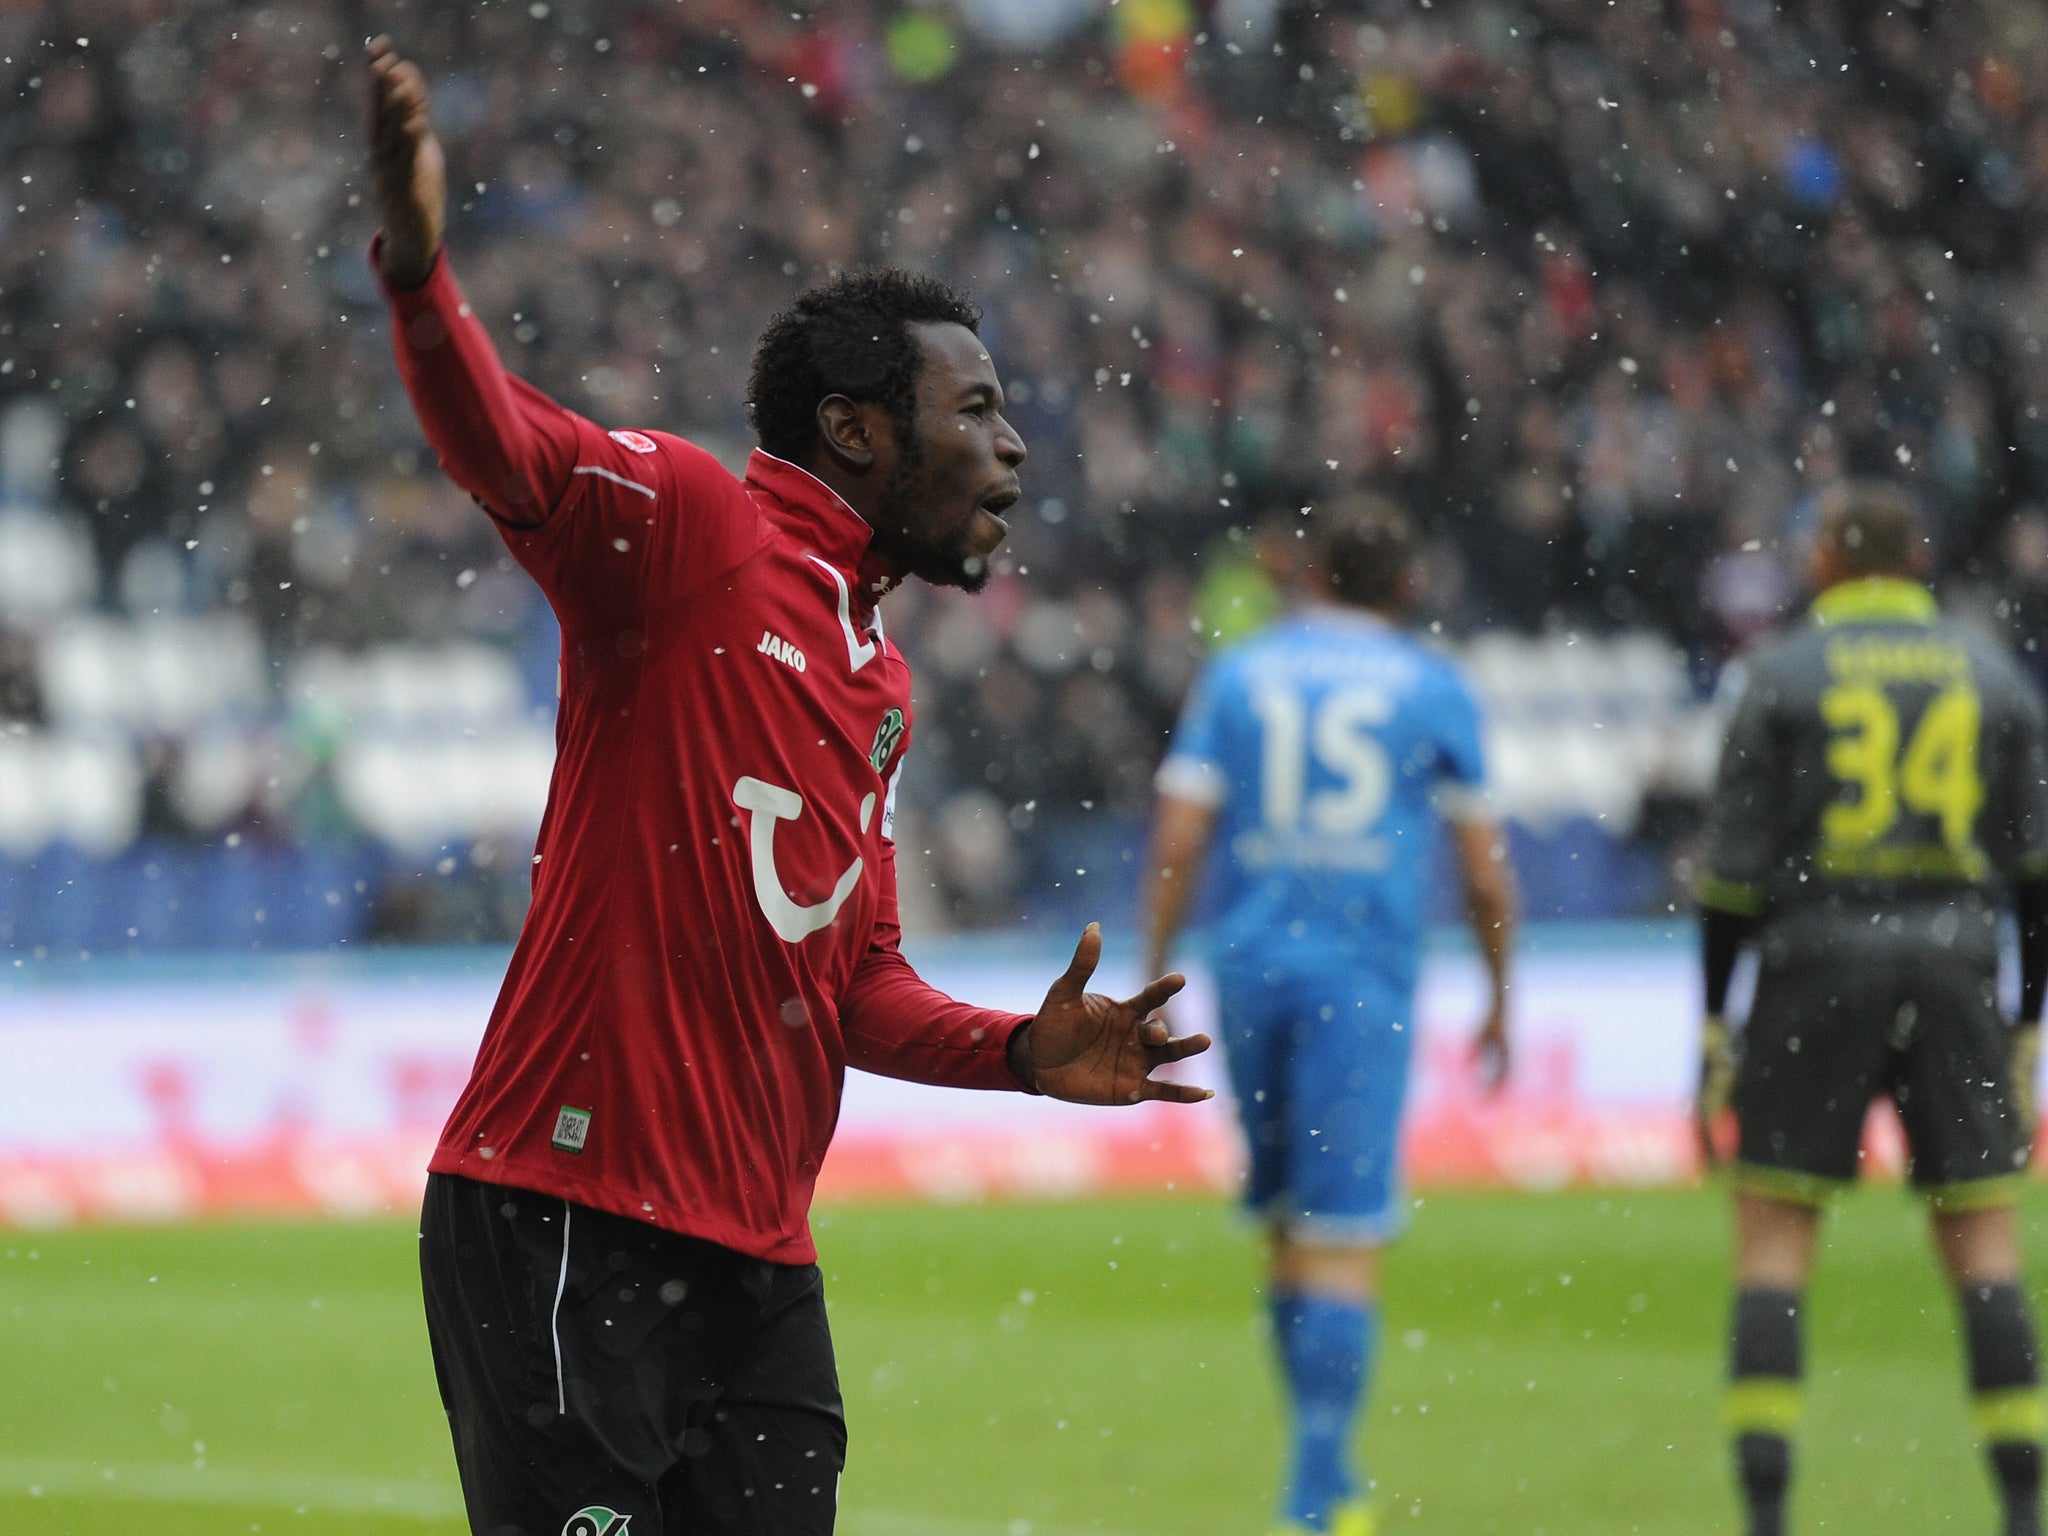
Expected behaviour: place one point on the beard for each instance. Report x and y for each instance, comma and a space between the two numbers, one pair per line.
901, 537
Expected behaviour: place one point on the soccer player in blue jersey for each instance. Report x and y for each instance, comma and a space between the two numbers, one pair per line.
1319, 756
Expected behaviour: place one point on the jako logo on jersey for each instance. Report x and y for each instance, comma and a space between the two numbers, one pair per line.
596, 1520
638, 442
887, 734
774, 645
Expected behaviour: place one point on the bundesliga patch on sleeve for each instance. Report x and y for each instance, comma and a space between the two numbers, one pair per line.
572, 1129
638, 442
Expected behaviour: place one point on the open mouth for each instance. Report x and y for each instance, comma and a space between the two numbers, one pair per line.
995, 506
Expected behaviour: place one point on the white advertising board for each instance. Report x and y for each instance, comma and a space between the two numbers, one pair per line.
155, 1090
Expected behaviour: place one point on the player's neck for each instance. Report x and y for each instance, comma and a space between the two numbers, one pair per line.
1322, 605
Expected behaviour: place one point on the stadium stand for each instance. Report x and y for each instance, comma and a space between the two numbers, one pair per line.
1608, 294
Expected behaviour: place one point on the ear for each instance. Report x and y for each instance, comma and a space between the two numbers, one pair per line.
849, 430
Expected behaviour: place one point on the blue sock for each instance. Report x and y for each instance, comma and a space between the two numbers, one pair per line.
1326, 1349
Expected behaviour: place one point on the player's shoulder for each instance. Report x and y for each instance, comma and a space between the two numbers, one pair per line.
1433, 673
649, 454
1440, 664
1989, 655
1997, 674
1782, 673
691, 466
1781, 660
1229, 662
674, 472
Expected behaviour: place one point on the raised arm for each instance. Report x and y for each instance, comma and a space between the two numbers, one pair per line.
498, 438
407, 167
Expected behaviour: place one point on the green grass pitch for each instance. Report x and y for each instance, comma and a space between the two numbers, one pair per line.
1549, 1364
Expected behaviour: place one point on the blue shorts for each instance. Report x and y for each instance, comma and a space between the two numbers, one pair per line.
1318, 1060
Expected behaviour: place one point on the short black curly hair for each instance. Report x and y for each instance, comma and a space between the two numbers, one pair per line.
1364, 544
849, 336
1873, 529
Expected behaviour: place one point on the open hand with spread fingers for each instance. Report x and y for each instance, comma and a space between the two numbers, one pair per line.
1090, 1049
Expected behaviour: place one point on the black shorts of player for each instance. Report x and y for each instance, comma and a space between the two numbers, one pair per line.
604, 1377
1849, 1009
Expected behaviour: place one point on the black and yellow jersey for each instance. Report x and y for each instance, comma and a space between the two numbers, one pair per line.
1879, 757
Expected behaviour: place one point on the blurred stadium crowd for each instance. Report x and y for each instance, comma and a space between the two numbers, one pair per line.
1606, 293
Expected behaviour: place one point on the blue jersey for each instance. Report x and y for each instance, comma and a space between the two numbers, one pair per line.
1329, 746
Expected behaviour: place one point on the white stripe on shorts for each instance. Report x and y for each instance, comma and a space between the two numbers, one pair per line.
555, 1318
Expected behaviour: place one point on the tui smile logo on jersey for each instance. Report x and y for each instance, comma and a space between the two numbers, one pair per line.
596, 1520
887, 734
772, 805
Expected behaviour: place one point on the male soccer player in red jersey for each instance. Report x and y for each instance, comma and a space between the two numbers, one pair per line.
627, 1318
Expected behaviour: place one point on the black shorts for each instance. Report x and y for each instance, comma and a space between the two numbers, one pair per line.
599, 1372
1855, 1010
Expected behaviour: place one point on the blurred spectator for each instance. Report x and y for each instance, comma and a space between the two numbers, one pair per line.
1603, 292
21, 689
2023, 602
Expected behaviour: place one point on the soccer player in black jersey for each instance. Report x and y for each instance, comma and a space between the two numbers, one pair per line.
1880, 804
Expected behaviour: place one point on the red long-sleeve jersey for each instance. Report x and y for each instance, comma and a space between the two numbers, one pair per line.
713, 935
